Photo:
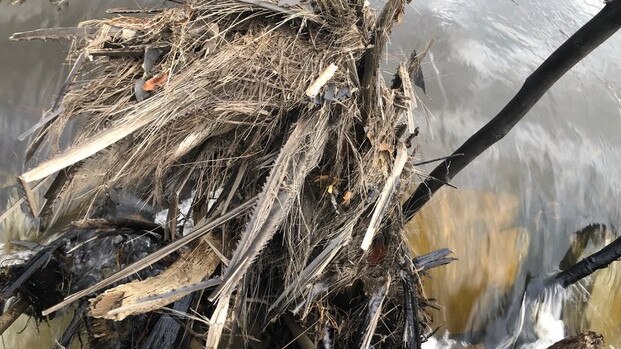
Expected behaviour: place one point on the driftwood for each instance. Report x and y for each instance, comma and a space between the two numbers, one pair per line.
161, 253
574, 49
586, 340
139, 297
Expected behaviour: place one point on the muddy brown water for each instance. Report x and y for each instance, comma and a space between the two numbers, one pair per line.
518, 205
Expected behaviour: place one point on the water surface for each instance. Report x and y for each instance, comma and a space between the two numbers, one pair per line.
519, 204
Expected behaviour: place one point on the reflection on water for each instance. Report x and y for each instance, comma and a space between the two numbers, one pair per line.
602, 311
561, 163
489, 248
26, 333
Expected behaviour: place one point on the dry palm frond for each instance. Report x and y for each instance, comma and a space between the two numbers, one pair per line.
231, 100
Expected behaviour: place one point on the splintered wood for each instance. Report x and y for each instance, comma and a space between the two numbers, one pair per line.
323, 79
139, 297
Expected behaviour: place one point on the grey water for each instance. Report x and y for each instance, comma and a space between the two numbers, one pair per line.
560, 165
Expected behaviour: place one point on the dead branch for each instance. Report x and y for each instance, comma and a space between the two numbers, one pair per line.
372, 56
54, 34
9, 316
598, 260
578, 46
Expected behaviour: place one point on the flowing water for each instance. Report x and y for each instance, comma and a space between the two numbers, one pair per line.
519, 205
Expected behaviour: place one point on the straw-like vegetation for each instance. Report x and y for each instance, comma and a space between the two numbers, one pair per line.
275, 121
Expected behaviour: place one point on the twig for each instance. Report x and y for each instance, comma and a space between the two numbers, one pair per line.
436, 159
578, 46
132, 10
54, 33
15, 205
117, 52
385, 197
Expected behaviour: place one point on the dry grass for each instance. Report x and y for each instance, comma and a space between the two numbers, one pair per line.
224, 107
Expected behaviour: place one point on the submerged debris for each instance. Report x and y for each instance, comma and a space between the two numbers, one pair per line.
274, 106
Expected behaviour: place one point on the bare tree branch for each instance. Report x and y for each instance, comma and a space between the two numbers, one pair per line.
578, 46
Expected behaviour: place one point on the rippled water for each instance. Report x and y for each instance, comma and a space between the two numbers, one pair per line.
555, 173
519, 204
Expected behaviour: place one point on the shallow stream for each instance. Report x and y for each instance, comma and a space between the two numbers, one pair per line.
519, 205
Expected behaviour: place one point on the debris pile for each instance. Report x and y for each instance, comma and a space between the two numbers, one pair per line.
273, 121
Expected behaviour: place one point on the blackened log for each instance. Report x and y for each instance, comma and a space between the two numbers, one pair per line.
578, 46
412, 336
166, 331
372, 56
599, 260
73, 328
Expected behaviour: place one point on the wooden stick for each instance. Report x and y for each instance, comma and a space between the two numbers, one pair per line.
9, 316
373, 54
385, 197
15, 205
54, 33
135, 51
133, 10
578, 46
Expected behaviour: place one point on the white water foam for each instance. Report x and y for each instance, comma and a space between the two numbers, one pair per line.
540, 316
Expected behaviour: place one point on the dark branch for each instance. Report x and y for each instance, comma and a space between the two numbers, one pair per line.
599, 260
585, 40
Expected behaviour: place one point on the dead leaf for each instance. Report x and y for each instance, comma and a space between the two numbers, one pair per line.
347, 198
322, 179
155, 82
386, 147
